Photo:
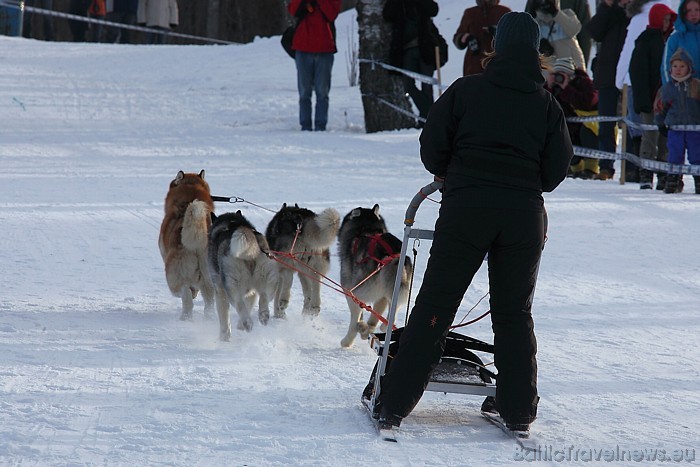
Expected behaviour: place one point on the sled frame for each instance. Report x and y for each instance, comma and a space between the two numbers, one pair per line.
382, 348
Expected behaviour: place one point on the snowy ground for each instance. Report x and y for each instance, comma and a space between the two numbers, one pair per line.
97, 369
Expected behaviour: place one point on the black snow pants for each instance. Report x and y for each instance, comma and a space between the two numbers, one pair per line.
463, 236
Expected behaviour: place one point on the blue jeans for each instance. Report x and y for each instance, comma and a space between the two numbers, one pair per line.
313, 74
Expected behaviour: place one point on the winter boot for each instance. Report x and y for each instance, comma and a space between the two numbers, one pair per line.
489, 405
631, 173
674, 184
660, 181
697, 184
646, 178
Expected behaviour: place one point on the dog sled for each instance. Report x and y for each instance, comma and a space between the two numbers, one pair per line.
460, 369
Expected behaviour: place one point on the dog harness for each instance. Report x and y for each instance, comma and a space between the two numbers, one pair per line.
377, 245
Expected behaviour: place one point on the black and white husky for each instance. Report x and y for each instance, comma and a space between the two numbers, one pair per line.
365, 245
241, 270
301, 240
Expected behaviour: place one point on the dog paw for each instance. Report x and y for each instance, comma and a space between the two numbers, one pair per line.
186, 316
225, 336
264, 317
347, 341
245, 324
363, 329
311, 311
280, 314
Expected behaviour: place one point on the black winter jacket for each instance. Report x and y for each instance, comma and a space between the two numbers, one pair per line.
500, 134
608, 27
411, 20
645, 69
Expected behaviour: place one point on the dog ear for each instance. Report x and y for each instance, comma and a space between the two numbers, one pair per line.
296, 205
355, 212
178, 178
375, 209
213, 217
238, 213
201, 174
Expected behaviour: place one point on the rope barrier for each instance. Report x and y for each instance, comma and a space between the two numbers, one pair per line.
656, 166
412, 74
58, 14
630, 123
395, 107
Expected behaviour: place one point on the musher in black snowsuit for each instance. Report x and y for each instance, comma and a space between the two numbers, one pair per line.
499, 140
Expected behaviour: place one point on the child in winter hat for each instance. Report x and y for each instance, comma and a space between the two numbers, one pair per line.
680, 105
564, 65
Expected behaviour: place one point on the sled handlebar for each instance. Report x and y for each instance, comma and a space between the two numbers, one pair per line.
423, 193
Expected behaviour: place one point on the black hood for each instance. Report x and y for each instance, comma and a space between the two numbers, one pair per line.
517, 69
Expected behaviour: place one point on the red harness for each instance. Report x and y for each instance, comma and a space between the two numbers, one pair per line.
375, 241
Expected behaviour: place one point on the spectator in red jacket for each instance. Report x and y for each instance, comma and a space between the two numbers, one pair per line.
476, 32
314, 43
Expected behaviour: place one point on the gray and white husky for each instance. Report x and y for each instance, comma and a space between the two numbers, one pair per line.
365, 245
241, 270
307, 237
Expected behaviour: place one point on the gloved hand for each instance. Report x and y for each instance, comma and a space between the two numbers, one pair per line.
473, 45
491, 30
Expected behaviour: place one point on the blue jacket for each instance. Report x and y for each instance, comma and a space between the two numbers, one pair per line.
685, 35
679, 105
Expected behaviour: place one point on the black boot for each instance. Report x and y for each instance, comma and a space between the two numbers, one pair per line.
674, 184
660, 181
646, 178
697, 184
631, 173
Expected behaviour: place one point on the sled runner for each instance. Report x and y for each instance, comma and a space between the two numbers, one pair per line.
460, 370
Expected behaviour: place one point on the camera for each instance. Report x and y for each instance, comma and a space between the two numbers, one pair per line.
559, 78
473, 45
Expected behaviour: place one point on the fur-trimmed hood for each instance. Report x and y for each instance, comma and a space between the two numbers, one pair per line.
681, 25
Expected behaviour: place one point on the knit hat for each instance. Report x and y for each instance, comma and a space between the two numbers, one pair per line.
564, 65
516, 30
681, 54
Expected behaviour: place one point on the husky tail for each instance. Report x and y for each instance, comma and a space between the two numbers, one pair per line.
195, 226
246, 244
322, 230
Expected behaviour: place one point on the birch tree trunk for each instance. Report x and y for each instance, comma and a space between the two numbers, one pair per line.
375, 82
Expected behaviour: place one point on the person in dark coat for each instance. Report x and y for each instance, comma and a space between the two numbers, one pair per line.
475, 33
412, 47
498, 140
608, 28
47, 20
123, 11
645, 74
